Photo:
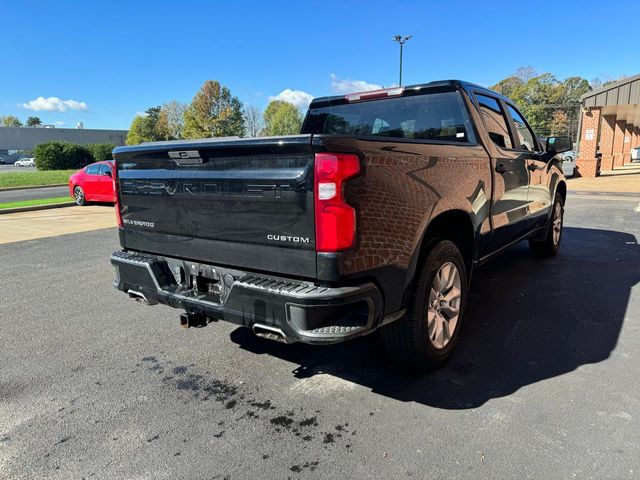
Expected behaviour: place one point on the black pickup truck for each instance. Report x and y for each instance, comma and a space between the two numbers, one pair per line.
374, 217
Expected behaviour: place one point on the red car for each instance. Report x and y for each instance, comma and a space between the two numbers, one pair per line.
94, 183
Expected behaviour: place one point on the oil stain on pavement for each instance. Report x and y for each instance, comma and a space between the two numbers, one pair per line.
309, 429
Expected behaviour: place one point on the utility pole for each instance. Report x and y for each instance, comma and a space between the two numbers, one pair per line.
401, 40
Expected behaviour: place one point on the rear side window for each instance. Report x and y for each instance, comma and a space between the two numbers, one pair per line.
525, 135
93, 169
433, 116
494, 120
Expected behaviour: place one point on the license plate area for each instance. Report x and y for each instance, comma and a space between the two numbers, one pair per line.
202, 281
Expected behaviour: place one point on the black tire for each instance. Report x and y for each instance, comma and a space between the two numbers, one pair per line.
550, 245
78, 195
408, 340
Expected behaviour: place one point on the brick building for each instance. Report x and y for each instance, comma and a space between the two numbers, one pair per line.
610, 127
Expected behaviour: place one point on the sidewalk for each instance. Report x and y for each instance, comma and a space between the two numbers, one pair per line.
16, 227
623, 180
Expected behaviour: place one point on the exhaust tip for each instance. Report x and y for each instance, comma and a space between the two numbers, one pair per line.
138, 297
272, 333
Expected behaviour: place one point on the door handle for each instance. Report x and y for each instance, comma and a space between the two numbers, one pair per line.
500, 168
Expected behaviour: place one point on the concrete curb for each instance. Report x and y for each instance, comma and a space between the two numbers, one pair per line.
36, 207
30, 187
603, 198
604, 193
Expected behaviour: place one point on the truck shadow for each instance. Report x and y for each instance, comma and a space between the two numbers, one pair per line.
527, 320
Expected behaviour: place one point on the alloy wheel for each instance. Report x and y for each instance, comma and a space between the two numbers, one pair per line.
557, 223
78, 195
443, 309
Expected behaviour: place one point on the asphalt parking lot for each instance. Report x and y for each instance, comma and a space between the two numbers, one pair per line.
545, 382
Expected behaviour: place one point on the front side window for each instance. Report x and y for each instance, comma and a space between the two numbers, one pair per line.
104, 169
494, 120
433, 116
524, 134
93, 169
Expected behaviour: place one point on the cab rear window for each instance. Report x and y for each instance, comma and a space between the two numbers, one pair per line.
439, 116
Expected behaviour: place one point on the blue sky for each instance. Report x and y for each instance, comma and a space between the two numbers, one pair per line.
114, 59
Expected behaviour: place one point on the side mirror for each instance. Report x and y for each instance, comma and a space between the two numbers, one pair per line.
558, 145
108, 173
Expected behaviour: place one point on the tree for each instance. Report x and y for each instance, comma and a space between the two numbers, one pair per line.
559, 123
151, 131
573, 89
10, 121
253, 121
537, 99
101, 151
134, 136
282, 118
33, 121
171, 120
526, 73
550, 105
146, 128
213, 112
595, 84
508, 86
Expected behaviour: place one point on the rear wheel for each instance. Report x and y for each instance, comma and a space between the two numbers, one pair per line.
78, 195
427, 334
550, 245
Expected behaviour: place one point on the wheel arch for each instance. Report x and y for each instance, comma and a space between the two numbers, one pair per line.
454, 225
561, 189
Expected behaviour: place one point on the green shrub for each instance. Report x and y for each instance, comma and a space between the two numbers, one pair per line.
61, 156
48, 155
101, 151
77, 156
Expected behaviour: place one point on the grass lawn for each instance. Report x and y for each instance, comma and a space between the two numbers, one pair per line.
31, 203
26, 179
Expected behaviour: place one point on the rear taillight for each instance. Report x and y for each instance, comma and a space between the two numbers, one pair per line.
335, 218
117, 197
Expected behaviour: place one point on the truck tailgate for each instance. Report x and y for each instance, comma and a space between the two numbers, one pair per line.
245, 203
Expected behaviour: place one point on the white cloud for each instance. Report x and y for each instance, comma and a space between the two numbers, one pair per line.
141, 114
59, 123
342, 85
53, 104
299, 98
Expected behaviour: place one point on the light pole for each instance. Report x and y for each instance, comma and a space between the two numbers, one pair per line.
401, 40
